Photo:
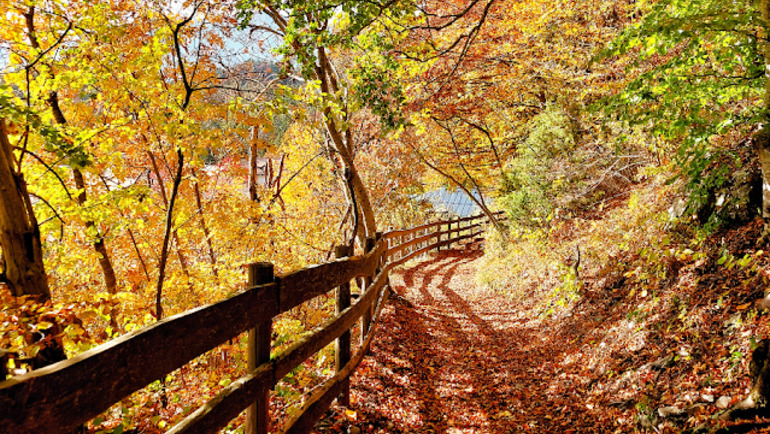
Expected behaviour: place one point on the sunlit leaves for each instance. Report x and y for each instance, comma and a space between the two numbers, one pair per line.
698, 73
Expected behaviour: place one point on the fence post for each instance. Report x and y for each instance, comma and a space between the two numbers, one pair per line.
422, 244
342, 346
257, 415
366, 319
383, 259
438, 248
409, 237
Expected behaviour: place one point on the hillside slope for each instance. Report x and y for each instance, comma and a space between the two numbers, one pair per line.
657, 338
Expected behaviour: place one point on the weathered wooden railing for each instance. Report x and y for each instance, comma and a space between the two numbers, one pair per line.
63, 396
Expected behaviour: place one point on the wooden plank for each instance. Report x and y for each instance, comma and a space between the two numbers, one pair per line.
308, 283
325, 334
220, 410
62, 396
401, 232
228, 404
398, 262
320, 401
400, 247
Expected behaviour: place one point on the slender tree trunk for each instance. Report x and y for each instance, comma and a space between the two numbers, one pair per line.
133, 239
762, 137
179, 254
204, 227
110, 281
279, 175
365, 206
342, 141
169, 228
253, 165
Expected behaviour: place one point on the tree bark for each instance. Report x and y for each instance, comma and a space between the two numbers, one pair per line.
23, 253
110, 281
169, 228
762, 137
253, 165
343, 144
179, 254
204, 227
19, 231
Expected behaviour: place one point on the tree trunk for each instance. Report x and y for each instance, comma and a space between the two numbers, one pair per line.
204, 226
53, 101
169, 228
364, 205
253, 165
19, 232
23, 253
179, 254
762, 137
110, 281
342, 141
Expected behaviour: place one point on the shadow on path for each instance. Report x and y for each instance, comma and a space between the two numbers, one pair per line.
436, 364
449, 358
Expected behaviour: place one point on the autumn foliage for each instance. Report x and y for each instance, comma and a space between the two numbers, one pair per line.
157, 148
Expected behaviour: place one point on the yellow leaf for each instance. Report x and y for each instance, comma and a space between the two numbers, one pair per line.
76, 330
43, 325
744, 306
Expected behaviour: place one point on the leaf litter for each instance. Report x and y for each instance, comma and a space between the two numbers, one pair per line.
453, 357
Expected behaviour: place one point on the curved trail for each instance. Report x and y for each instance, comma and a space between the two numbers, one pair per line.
451, 358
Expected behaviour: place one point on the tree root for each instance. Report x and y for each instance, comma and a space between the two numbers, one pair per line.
764, 236
756, 404
742, 428
745, 410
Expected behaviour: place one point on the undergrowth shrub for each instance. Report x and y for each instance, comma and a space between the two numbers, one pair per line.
567, 166
519, 264
532, 182
537, 263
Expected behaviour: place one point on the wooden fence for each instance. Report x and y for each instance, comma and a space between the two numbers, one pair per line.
65, 395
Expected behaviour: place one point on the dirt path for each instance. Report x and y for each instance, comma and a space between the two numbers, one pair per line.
451, 358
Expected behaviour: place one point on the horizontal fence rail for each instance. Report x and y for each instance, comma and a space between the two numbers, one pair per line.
65, 395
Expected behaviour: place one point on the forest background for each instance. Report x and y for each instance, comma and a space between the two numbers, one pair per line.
158, 148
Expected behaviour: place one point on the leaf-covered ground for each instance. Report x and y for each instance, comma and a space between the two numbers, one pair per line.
452, 357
